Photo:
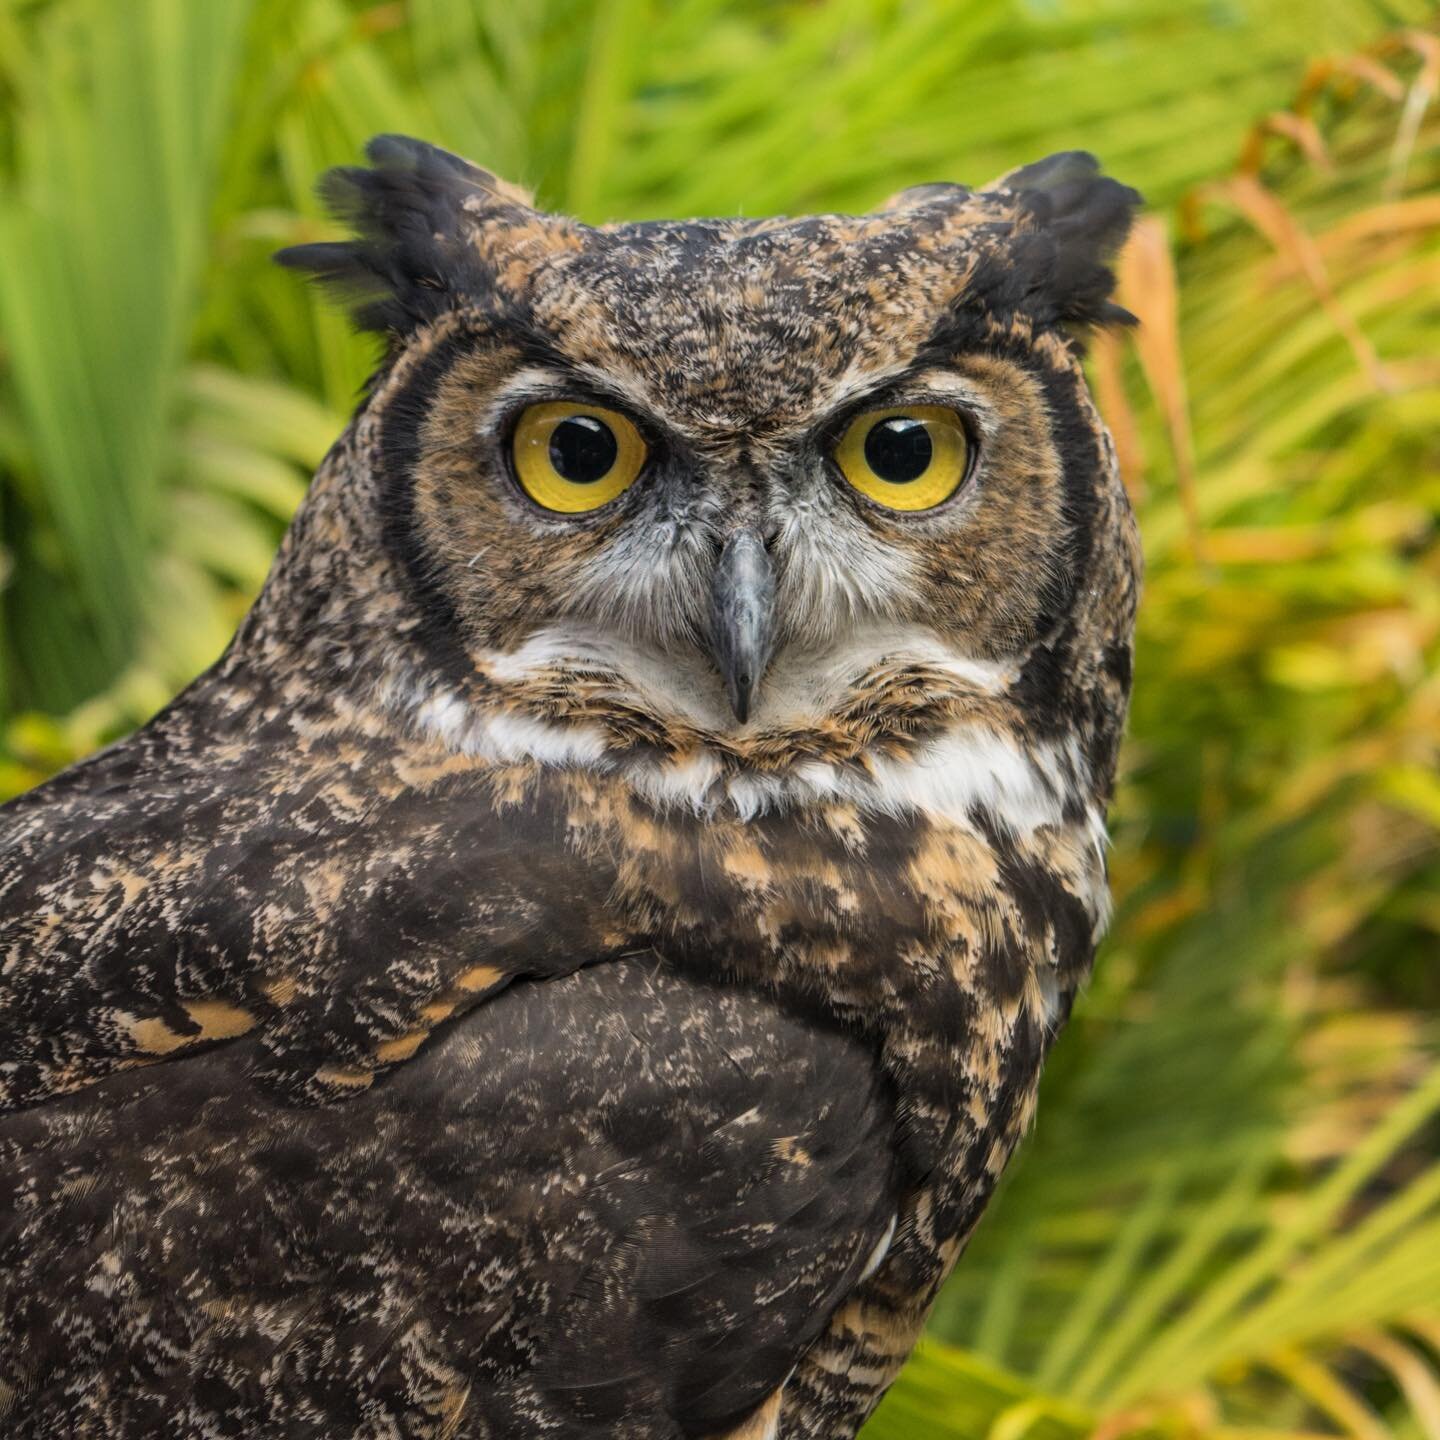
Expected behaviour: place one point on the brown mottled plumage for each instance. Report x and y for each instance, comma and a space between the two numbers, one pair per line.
448, 1018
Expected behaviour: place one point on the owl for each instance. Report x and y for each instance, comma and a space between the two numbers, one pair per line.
579, 962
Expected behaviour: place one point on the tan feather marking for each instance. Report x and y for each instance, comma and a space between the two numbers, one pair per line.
763, 1423
478, 977
217, 1021
950, 862
511, 785
1033, 998
422, 771
402, 1047
977, 1110
789, 1148
845, 823
747, 863
152, 1036
344, 1077
282, 990
452, 1409
889, 1332
132, 885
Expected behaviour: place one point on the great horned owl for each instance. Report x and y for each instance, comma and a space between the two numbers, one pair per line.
579, 962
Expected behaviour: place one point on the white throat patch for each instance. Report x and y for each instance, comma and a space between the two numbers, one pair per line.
971, 768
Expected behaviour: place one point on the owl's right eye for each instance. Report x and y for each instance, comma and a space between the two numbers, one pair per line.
573, 458
910, 458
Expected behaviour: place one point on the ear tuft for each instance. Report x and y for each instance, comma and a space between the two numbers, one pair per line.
414, 214
1075, 220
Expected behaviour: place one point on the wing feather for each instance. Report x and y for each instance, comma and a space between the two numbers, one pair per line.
572, 1208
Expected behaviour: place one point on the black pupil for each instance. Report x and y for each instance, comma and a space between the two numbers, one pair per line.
899, 450
582, 449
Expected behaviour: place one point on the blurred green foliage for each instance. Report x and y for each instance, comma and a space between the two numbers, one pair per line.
1228, 1222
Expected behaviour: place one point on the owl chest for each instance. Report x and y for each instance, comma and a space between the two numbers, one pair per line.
954, 953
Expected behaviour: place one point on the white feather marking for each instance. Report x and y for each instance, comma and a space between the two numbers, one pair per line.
505, 736
969, 769
881, 1250
513, 737
965, 771
678, 784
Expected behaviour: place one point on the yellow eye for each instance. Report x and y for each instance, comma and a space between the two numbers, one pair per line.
573, 457
911, 458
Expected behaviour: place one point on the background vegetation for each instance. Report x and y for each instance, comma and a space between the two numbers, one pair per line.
1228, 1221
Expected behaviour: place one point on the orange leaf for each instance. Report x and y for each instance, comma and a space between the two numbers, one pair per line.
1149, 289
1265, 211
1117, 412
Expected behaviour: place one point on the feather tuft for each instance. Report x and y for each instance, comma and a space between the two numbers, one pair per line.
413, 213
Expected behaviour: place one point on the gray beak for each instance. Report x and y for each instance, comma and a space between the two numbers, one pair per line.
742, 617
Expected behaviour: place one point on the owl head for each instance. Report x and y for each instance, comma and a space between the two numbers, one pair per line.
753, 472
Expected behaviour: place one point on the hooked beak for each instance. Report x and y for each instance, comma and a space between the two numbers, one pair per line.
742, 617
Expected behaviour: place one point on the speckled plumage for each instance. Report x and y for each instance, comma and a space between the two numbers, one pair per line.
446, 1019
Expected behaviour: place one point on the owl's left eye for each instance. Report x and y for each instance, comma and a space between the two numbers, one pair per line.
572, 457
910, 458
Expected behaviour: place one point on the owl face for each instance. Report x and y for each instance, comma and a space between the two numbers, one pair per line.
736, 463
